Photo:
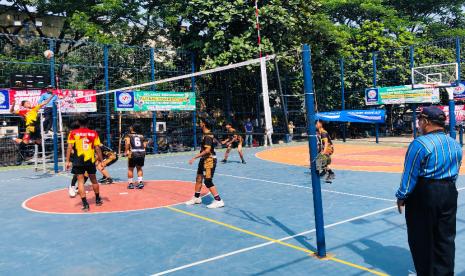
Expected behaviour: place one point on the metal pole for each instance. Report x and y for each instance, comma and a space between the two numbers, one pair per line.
54, 111
461, 135
452, 121
154, 113
374, 85
414, 106
107, 95
55, 138
343, 103
310, 106
194, 114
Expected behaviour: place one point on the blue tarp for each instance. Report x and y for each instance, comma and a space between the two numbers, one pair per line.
356, 116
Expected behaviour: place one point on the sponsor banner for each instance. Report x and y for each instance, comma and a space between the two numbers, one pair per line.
4, 101
354, 116
371, 96
87, 101
124, 100
459, 113
403, 94
154, 101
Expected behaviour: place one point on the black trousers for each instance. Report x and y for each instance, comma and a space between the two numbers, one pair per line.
48, 118
430, 212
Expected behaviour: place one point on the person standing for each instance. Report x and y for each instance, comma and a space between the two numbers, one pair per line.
135, 145
48, 108
248, 126
206, 168
325, 150
291, 127
428, 192
234, 140
84, 144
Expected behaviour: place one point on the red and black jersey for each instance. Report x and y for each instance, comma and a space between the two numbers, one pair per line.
84, 142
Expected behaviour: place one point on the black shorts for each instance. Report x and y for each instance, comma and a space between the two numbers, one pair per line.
110, 160
207, 167
136, 161
82, 169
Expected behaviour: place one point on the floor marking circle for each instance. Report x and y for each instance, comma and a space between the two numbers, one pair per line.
116, 198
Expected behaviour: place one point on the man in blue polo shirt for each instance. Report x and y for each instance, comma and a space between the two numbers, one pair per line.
428, 191
48, 109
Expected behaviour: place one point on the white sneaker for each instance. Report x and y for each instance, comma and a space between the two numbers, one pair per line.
71, 191
216, 204
76, 189
194, 200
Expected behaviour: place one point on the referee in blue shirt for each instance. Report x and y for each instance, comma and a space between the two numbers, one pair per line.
428, 191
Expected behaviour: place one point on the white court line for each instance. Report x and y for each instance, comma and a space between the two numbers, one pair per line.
283, 184
268, 243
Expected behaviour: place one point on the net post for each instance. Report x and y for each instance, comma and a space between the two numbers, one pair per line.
43, 140
60, 124
154, 113
316, 186
107, 95
343, 103
194, 113
55, 138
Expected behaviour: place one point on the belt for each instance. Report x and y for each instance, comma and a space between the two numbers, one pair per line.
437, 181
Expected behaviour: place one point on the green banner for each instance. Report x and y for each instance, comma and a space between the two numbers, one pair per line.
401, 95
154, 101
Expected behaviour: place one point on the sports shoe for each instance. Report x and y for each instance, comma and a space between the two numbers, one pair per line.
216, 204
131, 186
107, 181
72, 191
102, 180
224, 161
243, 162
85, 207
98, 201
140, 185
194, 200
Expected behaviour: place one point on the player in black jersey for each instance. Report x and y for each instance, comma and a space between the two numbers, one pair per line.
109, 158
206, 169
135, 145
234, 140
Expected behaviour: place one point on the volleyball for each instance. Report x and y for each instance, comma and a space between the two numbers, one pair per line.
48, 54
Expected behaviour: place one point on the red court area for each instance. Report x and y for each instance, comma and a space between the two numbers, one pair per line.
116, 198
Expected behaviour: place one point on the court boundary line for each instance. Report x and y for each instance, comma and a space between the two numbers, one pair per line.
275, 241
246, 249
23, 204
284, 184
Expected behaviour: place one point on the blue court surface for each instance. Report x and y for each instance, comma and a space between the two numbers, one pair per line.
266, 227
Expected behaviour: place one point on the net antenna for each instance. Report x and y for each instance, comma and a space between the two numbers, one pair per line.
437, 75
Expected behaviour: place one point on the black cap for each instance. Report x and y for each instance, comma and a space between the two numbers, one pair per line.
433, 114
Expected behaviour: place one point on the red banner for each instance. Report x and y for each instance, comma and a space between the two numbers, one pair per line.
459, 113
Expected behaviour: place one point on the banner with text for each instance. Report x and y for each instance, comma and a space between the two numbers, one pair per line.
87, 101
354, 116
401, 95
154, 101
459, 113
